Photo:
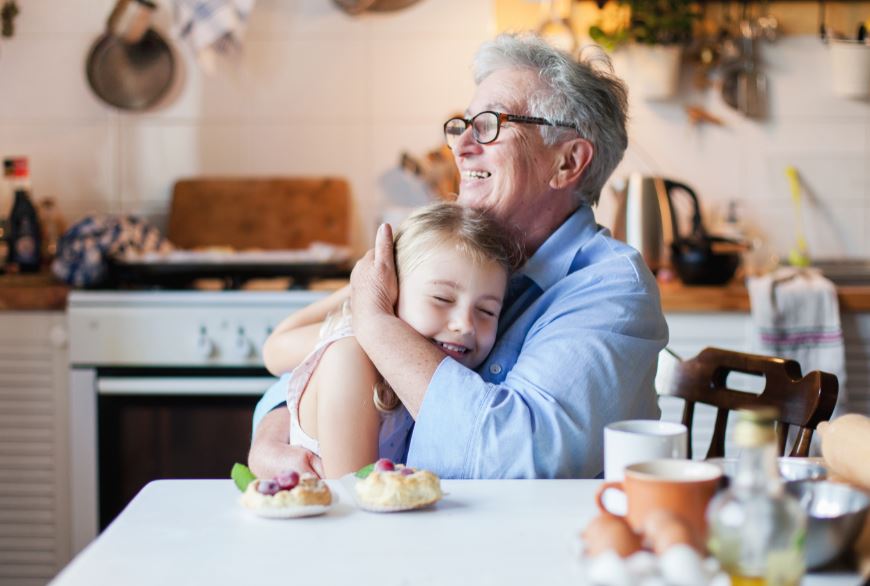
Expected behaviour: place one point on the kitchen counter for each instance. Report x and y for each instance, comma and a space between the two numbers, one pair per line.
32, 292
734, 297
484, 532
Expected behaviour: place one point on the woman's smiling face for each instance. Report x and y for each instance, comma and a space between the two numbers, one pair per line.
510, 176
454, 302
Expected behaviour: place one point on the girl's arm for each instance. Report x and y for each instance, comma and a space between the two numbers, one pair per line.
296, 335
347, 420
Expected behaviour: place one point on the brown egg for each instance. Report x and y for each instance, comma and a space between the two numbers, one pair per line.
609, 532
663, 530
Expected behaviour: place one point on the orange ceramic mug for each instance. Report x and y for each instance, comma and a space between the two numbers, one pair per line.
681, 487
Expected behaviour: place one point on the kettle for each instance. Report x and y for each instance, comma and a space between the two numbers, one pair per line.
646, 220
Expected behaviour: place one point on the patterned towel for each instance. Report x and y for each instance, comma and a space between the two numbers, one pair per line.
85, 250
797, 316
212, 27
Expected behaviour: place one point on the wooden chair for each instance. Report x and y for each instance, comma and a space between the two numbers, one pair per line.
802, 401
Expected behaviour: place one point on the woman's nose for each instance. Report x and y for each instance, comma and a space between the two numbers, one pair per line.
465, 143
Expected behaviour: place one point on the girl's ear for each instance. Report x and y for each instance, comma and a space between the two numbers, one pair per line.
573, 158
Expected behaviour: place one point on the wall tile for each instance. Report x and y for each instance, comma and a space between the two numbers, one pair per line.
45, 79
411, 80
154, 154
281, 79
304, 19
53, 17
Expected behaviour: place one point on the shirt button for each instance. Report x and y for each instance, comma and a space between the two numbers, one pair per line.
495, 368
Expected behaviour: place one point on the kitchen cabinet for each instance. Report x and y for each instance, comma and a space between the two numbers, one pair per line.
34, 469
691, 332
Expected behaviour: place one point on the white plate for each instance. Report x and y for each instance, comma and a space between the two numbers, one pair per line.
290, 512
384, 509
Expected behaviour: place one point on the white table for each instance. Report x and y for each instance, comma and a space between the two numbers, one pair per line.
497, 532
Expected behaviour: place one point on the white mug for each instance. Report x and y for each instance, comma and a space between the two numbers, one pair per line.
641, 440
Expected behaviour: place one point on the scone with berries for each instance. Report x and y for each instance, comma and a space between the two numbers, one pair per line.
395, 487
287, 495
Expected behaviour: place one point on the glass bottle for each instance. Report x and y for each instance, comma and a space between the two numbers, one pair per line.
757, 530
24, 231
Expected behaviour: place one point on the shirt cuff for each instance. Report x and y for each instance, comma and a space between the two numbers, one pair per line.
454, 401
274, 397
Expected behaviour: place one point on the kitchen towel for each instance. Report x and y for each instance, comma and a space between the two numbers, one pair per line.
86, 250
212, 27
797, 316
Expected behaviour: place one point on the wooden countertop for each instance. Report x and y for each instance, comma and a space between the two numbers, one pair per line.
43, 292
37, 292
677, 298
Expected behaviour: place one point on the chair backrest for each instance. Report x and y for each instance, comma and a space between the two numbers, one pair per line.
802, 401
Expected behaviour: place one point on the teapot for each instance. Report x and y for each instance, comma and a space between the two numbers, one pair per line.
646, 220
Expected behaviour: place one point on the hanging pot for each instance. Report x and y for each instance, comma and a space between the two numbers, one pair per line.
130, 66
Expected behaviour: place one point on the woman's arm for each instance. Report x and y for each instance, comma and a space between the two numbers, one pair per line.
271, 452
347, 420
296, 335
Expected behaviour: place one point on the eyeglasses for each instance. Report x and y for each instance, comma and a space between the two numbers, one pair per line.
485, 126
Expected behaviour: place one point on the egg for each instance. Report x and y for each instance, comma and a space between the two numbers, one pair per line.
608, 569
610, 533
682, 566
663, 530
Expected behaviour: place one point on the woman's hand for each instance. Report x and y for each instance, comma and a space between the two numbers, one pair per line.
271, 452
374, 284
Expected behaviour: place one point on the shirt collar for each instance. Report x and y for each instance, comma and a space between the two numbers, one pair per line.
553, 259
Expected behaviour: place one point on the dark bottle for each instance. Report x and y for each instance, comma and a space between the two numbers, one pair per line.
25, 244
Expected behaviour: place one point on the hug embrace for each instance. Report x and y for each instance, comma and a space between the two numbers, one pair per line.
497, 336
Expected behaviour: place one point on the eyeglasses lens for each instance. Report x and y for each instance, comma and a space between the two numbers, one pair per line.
485, 126
453, 129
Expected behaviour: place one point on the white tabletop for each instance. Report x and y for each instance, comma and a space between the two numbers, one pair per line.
483, 532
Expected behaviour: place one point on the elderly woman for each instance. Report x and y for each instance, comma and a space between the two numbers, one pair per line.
582, 325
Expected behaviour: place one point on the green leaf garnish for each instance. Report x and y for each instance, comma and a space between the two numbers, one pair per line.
242, 476
364, 471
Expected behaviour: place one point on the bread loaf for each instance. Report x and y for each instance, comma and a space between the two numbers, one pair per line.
846, 448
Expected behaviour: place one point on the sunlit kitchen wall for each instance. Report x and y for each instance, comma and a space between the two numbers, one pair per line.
316, 92
319, 92
827, 138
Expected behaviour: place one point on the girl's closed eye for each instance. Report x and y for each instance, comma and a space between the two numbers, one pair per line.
442, 299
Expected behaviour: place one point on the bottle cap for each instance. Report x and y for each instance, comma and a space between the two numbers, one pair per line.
756, 427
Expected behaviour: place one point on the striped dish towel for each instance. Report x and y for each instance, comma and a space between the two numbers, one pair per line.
212, 27
797, 316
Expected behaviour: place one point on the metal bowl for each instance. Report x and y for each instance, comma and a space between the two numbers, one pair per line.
789, 468
835, 516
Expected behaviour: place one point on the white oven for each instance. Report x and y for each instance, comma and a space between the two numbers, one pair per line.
162, 384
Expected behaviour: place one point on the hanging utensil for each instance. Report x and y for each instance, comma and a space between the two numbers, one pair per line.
768, 23
751, 81
130, 66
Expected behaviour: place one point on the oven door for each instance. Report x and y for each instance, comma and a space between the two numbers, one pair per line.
155, 423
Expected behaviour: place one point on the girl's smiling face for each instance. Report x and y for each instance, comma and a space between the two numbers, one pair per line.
455, 302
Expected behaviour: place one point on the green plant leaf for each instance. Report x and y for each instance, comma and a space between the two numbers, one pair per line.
364, 471
242, 476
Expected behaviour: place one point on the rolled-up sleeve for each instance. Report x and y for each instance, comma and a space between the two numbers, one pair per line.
274, 397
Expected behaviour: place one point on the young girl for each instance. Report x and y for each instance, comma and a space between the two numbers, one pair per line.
452, 264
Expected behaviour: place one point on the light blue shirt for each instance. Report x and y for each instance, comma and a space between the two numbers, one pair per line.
577, 350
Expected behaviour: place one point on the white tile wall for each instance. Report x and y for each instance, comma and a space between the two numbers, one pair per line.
827, 138
315, 92
318, 91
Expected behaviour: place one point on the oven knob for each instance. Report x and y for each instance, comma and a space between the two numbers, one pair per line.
204, 345
243, 348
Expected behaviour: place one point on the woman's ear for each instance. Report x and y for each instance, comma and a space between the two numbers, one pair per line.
573, 157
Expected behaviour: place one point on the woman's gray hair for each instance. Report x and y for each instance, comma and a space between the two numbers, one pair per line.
584, 92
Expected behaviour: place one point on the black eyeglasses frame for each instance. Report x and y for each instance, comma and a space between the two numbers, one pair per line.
501, 118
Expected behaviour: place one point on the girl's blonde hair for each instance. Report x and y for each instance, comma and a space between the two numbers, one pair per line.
471, 233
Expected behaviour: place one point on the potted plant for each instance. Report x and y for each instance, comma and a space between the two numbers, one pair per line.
656, 32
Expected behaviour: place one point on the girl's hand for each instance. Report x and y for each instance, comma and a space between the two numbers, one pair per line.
374, 285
